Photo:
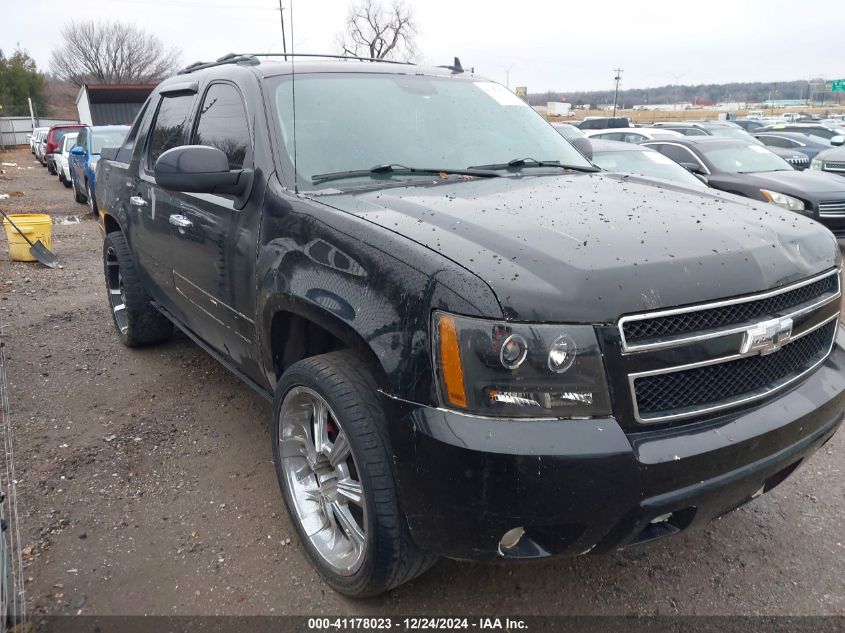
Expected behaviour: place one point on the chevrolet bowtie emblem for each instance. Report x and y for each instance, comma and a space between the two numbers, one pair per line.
767, 337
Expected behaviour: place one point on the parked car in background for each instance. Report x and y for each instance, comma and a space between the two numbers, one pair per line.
833, 135
84, 156
575, 136
753, 171
749, 125
54, 141
632, 134
638, 160
61, 158
33, 137
602, 122
830, 160
40, 142
792, 141
727, 129
469, 352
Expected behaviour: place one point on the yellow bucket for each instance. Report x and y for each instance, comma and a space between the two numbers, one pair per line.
36, 226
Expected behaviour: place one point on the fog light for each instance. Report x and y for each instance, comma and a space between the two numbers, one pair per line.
513, 352
562, 354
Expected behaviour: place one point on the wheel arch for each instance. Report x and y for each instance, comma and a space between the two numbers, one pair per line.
294, 329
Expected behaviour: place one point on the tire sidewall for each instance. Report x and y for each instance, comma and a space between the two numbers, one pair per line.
299, 376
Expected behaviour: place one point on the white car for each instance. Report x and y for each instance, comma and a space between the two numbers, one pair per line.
61, 159
632, 134
34, 136
40, 143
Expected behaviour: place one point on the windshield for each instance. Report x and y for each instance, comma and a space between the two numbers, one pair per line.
743, 159
68, 142
646, 163
347, 122
106, 138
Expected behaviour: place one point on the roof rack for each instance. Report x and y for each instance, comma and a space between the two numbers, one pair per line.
251, 59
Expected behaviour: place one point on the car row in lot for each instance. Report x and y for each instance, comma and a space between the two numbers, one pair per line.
767, 166
71, 152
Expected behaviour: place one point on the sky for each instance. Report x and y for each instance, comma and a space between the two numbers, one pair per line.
544, 45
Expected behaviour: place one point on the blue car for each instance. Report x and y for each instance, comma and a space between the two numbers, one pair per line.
83, 157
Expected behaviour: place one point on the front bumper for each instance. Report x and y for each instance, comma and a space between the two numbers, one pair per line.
575, 486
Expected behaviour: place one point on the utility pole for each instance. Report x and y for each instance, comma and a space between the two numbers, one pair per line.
282, 18
507, 76
617, 78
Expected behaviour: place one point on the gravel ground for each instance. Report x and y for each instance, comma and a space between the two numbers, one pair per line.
147, 487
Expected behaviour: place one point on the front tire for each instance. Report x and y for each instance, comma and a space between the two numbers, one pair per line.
137, 322
334, 464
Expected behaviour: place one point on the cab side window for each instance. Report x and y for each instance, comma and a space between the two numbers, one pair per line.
223, 124
170, 126
80, 138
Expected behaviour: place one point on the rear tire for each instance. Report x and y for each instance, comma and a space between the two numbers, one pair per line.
137, 322
92, 204
80, 198
341, 385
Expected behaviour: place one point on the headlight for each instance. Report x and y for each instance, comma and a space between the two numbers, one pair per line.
782, 200
497, 368
816, 164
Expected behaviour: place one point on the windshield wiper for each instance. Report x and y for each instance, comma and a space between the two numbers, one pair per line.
394, 168
520, 163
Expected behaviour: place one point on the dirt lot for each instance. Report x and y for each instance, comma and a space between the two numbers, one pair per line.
146, 485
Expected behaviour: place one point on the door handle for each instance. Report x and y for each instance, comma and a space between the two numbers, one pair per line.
137, 201
180, 221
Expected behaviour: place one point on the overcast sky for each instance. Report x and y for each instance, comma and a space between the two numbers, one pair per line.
557, 45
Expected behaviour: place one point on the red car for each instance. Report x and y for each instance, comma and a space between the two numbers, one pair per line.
54, 142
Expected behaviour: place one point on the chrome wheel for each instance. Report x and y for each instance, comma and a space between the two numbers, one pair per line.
117, 291
322, 480
91, 202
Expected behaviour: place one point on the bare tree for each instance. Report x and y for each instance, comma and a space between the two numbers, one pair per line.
111, 52
379, 31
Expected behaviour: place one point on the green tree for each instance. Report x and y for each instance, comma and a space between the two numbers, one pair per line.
19, 79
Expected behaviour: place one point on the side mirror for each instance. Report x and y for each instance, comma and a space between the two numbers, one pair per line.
694, 168
77, 150
837, 141
198, 169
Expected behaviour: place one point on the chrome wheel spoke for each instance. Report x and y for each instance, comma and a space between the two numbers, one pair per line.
340, 450
315, 522
321, 427
351, 490
348, 524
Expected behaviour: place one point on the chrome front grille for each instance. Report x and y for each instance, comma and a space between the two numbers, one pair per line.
835, 209
833, 166
700, 388
798, 160
692, 361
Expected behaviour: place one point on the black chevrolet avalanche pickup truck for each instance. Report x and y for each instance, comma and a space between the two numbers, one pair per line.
476, 345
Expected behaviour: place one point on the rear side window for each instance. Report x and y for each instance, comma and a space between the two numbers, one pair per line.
223, 124
170, 125
677, 153
80, 138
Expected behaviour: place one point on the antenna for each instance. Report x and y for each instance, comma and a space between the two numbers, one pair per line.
293, 92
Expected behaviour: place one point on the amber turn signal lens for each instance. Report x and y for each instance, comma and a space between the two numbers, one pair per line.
450, 362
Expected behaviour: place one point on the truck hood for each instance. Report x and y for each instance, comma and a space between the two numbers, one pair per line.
587, 248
